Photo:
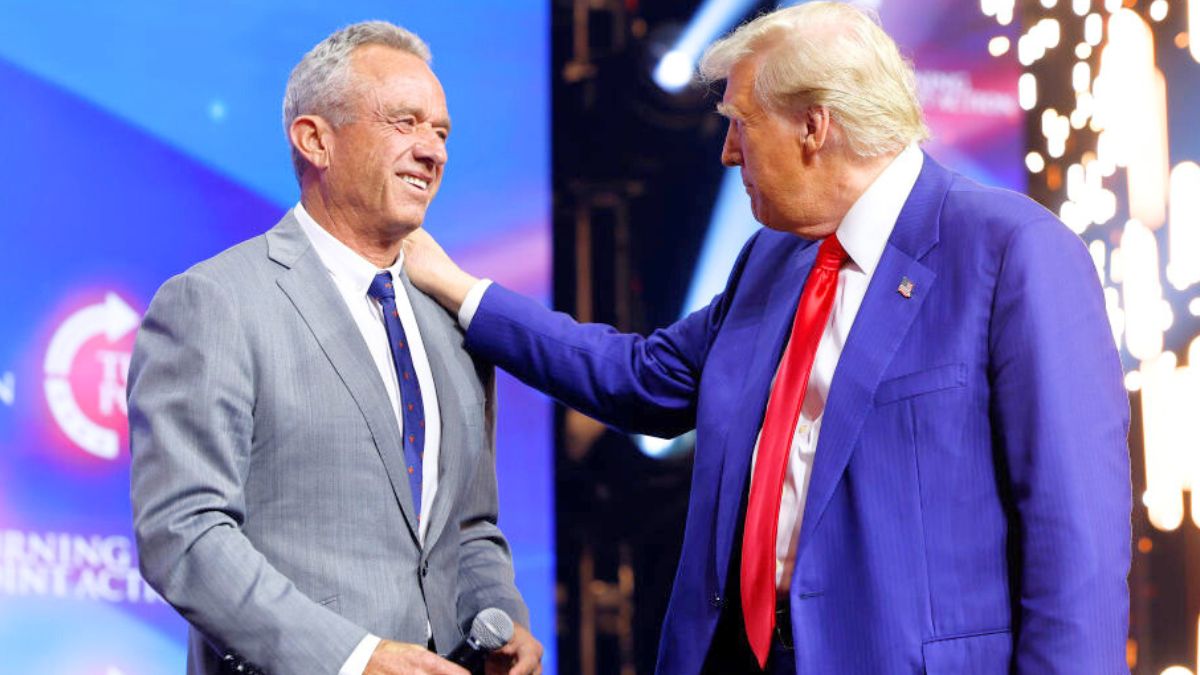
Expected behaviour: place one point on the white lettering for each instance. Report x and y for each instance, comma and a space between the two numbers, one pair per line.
114, 369
63, 565
953, 92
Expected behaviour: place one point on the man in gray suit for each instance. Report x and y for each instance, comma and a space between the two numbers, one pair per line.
313, 476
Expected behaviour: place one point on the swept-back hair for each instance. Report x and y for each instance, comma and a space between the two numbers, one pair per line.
322, 82
829, 54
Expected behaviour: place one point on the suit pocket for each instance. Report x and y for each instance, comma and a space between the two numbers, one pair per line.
986, 653
949, 376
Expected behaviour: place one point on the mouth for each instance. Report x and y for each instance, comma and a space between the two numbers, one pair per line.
418, 182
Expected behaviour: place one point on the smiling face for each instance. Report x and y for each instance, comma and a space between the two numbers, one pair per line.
386, 164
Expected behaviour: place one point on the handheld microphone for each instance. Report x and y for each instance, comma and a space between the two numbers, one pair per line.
490, 630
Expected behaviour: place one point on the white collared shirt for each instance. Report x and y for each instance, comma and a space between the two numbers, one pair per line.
863, 233
352, 275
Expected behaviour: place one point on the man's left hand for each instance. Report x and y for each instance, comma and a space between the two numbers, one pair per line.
521, 656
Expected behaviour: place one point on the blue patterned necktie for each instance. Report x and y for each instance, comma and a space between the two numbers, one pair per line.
413, 411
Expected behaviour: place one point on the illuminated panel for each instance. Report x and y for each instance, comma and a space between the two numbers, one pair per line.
1183, 268
1171, 429
1001, 9
1189, 429
1132, 115
1027, 91
1160, 418
1141, 291
1116, 179
1193, 24
1098, 251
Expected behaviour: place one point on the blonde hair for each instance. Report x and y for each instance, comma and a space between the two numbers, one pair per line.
834, 55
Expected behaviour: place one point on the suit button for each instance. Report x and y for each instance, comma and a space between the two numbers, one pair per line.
425, 569
717, 601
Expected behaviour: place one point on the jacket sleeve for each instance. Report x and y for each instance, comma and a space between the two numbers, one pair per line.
638, 384
485, 569
1060, 420
191, 398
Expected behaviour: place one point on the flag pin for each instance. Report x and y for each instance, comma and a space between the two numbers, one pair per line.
906, 287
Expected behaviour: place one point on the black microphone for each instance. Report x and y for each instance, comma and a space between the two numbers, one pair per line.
490, 630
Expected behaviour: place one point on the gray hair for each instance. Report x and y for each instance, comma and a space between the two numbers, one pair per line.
321, 83
834, 55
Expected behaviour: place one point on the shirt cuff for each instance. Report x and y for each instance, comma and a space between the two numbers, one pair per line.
357, 663
471, 303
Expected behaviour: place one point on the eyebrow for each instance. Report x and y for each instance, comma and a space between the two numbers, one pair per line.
728, 110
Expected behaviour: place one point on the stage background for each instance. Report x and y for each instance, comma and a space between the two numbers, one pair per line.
142, 137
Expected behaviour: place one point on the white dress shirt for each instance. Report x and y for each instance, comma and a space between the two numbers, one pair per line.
352, 275
863, 233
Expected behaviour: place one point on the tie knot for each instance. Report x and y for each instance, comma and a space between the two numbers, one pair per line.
831, 255
381, 287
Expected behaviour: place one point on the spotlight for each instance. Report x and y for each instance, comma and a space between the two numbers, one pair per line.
675, 67
674, 71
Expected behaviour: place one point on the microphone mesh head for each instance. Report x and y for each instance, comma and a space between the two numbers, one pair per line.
491, 629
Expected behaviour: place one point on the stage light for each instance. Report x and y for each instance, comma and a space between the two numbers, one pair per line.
1034, 162
1099, 253
1027, 91
1193, 23
1001, 9
1165, 479
675, 68
1093, 29
1141, 292
674, 71
1158, 10
1183, 266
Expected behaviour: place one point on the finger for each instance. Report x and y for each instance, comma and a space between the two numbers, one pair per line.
527, 662
436, 665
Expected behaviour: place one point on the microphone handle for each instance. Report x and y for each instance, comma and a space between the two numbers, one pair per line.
469, 655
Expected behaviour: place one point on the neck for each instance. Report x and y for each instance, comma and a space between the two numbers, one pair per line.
855, 175
376, 245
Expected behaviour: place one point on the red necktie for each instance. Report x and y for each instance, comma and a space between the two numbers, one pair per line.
774, 446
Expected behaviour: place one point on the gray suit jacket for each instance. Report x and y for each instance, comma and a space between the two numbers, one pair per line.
271, 505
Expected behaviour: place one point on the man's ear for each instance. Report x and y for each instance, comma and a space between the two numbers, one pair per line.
815, 121
311, 136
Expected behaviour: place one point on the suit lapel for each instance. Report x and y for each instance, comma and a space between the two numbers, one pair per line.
769, 342
312, 293
880, 326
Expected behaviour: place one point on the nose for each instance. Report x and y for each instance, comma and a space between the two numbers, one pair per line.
731, 152
431, 148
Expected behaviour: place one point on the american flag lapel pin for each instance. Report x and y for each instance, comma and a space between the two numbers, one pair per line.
906, 287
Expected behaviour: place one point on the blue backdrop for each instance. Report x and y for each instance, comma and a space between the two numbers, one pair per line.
142, 137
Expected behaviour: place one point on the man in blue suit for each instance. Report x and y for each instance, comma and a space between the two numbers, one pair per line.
911, 428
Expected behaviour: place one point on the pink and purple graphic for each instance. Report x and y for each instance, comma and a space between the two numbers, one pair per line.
150, 140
